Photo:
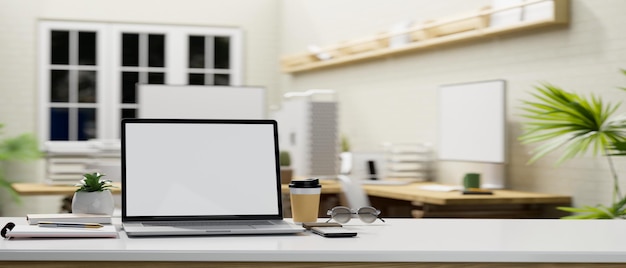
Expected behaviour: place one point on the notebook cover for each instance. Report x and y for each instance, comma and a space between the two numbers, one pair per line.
36, 231
68, 217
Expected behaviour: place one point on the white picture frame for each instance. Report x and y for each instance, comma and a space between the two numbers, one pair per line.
473, 122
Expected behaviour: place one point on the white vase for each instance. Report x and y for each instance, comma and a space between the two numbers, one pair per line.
93, 202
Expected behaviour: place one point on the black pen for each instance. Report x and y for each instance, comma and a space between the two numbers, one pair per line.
70, 224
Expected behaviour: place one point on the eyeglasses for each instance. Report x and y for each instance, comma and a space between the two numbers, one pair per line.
343, 214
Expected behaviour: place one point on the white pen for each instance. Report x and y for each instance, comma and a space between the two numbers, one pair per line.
69, 224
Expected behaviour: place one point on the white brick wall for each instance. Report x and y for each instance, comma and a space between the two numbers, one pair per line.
395, 98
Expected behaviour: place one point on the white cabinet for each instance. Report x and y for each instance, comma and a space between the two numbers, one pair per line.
308, 130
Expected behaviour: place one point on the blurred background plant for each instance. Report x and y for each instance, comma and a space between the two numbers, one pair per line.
575, 124
19, 148
284, 159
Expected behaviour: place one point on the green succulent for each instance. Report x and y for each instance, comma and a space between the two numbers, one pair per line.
92, 182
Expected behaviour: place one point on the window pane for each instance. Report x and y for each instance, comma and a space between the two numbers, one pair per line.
222, 52
196, 79
86, 124
156, 50
86, 48
59, 86
129, 113
59, 124
196, 52
60, 47
130, 49
156, 78
129, 91
87, 86
221, 79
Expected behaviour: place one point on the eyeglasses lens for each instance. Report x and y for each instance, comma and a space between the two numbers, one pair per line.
368, 214
341, 214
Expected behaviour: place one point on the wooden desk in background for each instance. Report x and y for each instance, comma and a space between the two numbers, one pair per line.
328, 187
25, 188
397, 200
34, 189
331, 191
404, 201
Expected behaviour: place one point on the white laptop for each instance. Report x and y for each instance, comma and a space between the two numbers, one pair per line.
201, 177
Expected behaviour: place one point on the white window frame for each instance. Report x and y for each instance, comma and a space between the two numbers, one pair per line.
108, 58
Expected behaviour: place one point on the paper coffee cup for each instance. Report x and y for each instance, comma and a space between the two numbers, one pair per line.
305, 199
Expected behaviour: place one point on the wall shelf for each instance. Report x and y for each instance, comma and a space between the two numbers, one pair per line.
476, 25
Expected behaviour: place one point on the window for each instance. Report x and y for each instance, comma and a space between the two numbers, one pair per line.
72, 75
209, 60
142, 61
89, 71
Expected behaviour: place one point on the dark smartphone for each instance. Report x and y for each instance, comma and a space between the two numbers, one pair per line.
333, 232
309, 225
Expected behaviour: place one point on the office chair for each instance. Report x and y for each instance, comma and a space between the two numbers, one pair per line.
353, 192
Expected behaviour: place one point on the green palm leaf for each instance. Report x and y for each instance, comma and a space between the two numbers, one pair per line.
587, 212
560, 120
569, 121
619, 148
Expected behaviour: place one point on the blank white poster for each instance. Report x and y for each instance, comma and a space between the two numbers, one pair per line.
472, 122
201, 102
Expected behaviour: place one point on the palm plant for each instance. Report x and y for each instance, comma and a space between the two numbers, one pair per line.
22, 147
575, 124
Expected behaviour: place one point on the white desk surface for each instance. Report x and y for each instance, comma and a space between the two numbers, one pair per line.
398, 240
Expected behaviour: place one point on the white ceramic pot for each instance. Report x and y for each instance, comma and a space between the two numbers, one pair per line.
93, 202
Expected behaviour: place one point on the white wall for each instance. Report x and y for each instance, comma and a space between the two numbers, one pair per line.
18, 43
395, 98
389, 99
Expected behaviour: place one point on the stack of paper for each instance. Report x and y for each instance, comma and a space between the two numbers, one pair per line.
68, 217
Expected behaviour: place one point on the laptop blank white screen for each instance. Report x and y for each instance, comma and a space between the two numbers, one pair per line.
200, 169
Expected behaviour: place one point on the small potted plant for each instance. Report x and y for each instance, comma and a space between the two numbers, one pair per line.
93, 195
286, 172
345, 157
